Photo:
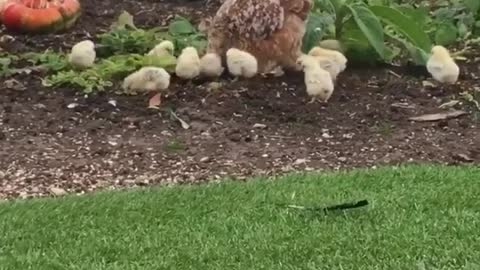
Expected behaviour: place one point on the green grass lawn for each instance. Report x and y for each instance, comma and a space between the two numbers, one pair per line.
429, 214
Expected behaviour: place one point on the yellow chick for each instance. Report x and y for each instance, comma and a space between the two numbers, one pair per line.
163, 48
329, 65
318, 81
147, 79
442, 67
188, 64
211, 65
241, 63
338, 58
82, 54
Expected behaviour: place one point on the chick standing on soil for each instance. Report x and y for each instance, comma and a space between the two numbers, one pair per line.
163, 48
442, 67
241, 63
188, 64
337, 57
211, 65
82, 55
147, 79
318, 81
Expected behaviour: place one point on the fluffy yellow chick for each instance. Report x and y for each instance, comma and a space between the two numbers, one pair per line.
82, 54
338, 58
211, 65
318, 81
188, 64
147, 79
163, 48
442, 67
241, 63
329, 65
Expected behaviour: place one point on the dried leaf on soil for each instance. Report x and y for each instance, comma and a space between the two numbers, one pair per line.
427, 84
438, 116
403, 105
57, 191
449, 104
183, 123
155, 101
463, 158
14, 85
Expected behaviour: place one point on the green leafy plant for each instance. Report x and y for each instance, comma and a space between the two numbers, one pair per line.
48, 60
124, 37
129, 40
371, 30
183, 33
88, 80
6, 61
103, 73
121, 51
455, 20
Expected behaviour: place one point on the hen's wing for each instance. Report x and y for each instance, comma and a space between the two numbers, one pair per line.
250, 19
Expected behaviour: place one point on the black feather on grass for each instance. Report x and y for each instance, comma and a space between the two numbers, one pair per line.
326, 209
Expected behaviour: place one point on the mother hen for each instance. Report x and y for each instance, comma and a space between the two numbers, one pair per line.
271, 30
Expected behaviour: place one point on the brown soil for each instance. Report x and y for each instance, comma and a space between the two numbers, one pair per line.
255, 127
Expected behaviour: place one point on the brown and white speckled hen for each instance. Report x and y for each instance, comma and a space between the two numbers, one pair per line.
271, 30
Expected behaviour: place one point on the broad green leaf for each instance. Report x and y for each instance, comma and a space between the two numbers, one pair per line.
332, 44
463, 29
444, 14
403, 25
315, 30
472, 5
320, 6
338, 5
181, 26
418, 55
5, 61
378, 2
370, 26
357, 47
420, 15
199, 44
392, 53
446, 34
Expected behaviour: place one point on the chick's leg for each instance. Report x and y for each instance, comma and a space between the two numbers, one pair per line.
314, 99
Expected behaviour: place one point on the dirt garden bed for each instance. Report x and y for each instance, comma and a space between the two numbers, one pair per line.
256, 127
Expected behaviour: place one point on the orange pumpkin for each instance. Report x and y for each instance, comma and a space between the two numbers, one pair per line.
40, 15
